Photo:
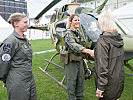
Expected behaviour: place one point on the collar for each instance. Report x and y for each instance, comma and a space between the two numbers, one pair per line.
17, 35
74, 30
76, 33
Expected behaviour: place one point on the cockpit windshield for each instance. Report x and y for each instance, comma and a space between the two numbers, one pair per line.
89, 27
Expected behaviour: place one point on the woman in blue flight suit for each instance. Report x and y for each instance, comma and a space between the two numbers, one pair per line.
16, 62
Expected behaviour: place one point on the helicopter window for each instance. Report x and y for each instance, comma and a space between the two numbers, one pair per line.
61, 28
65, 8
89, 27
79, 9
61, 25
65, 15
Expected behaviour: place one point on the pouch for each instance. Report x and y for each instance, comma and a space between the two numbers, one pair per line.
73, 57
64, 57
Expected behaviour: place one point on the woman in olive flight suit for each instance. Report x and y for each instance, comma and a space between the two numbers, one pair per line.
74, 69
16, 61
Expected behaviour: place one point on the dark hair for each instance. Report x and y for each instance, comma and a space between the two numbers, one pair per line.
70, 20
72, 16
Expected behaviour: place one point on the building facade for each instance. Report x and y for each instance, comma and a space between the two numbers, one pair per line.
7, 7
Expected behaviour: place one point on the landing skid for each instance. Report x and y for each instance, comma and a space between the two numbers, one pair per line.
50, 62
62, 81
129, 67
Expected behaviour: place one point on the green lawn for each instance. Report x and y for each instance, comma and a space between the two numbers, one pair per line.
48, 89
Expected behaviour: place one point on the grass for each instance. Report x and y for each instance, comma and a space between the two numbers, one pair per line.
41, 45
48, 89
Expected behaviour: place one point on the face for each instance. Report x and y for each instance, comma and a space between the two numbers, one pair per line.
75, 22
22, 25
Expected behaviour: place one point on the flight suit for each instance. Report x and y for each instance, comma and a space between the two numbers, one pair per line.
74, 69
16, 68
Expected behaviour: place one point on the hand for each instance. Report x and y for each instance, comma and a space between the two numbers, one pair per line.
89, 51
4, 84
99, 94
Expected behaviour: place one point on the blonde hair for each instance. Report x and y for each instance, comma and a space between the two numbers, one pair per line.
15, 17
106, 21
68, 25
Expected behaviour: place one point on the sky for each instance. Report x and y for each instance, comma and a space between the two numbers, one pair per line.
36, 6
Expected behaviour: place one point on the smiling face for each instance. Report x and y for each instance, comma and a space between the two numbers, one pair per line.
75, 22
22, 25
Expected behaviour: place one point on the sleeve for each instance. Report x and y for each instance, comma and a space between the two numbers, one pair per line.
75, 47
5, 59
101, 55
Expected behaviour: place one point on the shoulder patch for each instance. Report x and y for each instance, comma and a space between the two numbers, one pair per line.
6, 47
68, 39
6, 57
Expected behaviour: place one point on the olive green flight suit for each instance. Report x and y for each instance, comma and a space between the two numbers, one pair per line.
74, 70
16, 68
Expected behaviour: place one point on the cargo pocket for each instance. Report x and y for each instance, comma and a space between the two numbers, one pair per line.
64, 57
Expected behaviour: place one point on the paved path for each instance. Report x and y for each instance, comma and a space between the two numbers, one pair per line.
44, 52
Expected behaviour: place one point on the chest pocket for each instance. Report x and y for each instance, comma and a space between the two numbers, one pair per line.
24, 51
27, 50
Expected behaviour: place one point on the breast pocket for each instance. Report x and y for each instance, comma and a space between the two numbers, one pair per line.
27, 50
23, 52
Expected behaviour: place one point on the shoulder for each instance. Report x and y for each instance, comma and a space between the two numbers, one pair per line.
68, 33
102, 41
11, 40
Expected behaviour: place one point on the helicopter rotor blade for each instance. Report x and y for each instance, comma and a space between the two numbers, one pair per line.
101, 7
54, 2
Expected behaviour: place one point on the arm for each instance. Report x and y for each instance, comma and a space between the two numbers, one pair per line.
88, 51
5, 57
101, 64
75, 47
69, 39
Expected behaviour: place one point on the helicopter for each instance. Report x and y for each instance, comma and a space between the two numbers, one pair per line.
88, 28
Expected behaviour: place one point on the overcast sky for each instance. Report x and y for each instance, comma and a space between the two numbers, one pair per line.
36, 6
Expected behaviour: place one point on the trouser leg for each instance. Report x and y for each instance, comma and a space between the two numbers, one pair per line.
106, 99
33, 94
71, 75
80, 82
18, 92
74, 80
22, 91
71, 89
